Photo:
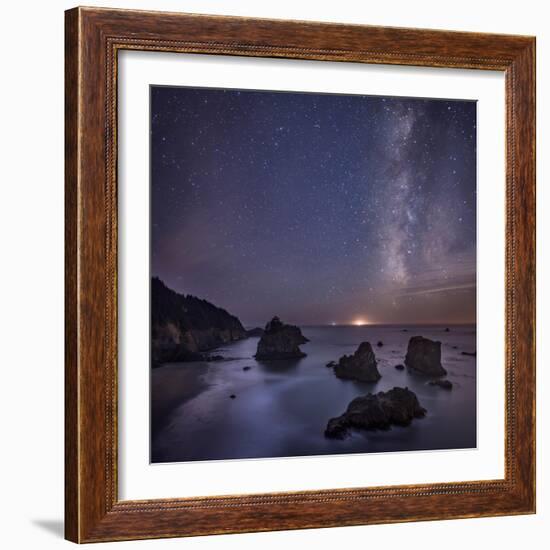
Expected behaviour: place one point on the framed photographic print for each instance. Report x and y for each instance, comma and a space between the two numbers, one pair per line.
300, 275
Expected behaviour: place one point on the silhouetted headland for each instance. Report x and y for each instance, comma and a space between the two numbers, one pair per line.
183, 327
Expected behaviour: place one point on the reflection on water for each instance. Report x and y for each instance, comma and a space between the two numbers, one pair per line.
281, 408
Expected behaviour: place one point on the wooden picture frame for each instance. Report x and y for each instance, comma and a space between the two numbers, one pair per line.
93, 511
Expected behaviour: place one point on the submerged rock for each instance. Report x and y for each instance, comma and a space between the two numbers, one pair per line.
400, 367
445, 384
247, 368
380, 343
331, 364
447, 329
359, 366
379, 411
280, 341
424, 356
211, 358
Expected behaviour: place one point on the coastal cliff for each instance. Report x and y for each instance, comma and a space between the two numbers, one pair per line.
182, 327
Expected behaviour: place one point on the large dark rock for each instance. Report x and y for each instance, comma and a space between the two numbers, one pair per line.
182, 327
379, 411
359, 366
424, 356
280, 341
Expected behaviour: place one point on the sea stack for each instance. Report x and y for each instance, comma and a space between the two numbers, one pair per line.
280, 341
359, 366
424, 356
379, 411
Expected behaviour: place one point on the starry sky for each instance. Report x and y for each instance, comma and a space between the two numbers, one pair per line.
319, 208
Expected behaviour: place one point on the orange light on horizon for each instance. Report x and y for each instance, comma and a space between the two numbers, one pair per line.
360, 322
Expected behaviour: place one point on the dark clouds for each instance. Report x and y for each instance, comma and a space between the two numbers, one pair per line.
318, 208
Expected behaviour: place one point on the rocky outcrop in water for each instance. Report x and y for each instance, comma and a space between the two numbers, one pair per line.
379, 411
444, 384
424, 356
280, 341
359, 366
182, 327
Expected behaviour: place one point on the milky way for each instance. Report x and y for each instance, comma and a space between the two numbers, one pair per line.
318, 208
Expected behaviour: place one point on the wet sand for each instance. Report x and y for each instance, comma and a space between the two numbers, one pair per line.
172, 385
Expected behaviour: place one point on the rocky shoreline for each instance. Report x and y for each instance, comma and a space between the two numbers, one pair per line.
187, 329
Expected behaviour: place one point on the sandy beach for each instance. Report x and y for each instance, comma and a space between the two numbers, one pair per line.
172, 385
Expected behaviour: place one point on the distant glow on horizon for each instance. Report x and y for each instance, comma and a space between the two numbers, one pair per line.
360, 322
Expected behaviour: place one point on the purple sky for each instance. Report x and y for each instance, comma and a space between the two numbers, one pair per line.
318, 208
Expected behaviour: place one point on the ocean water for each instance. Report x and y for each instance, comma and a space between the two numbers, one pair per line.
281, 408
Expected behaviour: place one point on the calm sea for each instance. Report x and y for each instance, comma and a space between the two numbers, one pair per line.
281, 408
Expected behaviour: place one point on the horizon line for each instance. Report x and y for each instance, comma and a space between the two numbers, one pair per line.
437, 323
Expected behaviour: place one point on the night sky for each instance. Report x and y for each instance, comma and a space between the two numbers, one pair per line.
318, 208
